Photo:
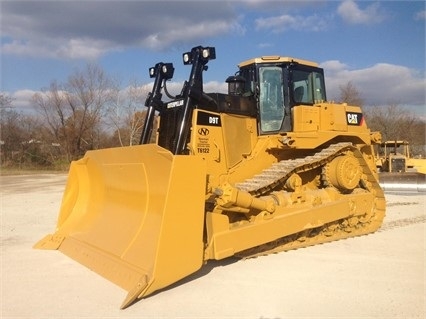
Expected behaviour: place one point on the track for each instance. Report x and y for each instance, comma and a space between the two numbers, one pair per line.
387, 226
278, 173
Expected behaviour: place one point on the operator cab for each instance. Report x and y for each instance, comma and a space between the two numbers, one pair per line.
278, 84
264, 88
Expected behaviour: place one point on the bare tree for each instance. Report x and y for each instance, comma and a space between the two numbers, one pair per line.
33, 146
51, 103
10, 132
5, 101
73, 111
21, 137
127, 115
392, 121
89, 92
349, 94
397, 123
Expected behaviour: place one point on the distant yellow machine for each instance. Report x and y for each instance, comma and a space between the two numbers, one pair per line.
269, 166
394, 157
398, 170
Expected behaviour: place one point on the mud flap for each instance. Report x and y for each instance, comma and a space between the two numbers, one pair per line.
135, 216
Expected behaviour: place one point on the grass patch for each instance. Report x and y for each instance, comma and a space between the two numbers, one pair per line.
7, 171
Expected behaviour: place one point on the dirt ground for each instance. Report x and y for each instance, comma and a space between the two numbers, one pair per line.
381, 275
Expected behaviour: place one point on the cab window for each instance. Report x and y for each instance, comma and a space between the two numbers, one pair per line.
271, 98
307, 87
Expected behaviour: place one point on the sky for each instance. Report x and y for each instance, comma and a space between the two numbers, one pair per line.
379, 46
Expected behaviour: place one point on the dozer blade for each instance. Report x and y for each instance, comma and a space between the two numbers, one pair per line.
403, 182
135, 216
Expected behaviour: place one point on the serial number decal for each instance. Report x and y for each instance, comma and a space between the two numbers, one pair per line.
353, 118
208, 119
203, 150
203, 145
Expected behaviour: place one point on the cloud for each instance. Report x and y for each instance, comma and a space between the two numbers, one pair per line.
380, 84
286, 22
22, 100
215, 86
76, 48
421, 15
71, 29
352, 14
278, 5
265, 45
188, 32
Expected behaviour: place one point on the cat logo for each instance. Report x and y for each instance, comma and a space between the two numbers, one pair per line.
203, 131
354, 118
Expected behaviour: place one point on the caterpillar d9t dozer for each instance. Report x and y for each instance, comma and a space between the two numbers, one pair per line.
268, 167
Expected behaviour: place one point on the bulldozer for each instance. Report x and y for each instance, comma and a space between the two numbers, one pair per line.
269, 166
398, 170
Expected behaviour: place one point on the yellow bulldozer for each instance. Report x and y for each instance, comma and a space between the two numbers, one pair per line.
398, 170
269, 166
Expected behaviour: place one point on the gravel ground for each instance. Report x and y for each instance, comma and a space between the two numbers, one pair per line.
381, 275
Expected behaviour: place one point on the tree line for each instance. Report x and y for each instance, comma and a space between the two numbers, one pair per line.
90, 111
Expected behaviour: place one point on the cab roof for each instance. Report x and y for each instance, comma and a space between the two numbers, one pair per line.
276, 59
398, 143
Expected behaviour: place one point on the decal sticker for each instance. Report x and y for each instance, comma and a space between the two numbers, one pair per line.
203, 144
208, 119
353, 118
204, 131
174, 104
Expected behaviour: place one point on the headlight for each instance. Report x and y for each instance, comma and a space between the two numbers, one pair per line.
166, 70
209, 53
206, 53
187, 58
152, 72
